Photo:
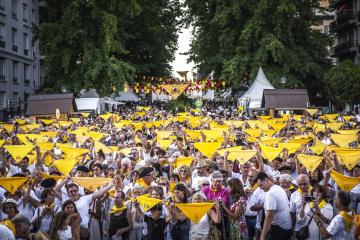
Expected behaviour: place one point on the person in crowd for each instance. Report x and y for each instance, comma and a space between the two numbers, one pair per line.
200, 231
75, 220
120, 218
217, 190
343, 225
60, 229
277, 222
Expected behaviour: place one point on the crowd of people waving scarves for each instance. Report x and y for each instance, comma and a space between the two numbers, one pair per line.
211, 173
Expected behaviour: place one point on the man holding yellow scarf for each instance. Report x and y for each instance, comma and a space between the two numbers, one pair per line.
343, 225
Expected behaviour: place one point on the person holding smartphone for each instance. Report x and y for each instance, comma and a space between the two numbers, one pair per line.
315, 204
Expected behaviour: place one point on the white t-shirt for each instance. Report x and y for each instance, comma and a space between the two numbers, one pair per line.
276, 199
83, 205
258, 197
6, 233
202, 227
337, 229
65, 234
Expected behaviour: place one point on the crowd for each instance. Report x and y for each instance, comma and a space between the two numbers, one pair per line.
213, 173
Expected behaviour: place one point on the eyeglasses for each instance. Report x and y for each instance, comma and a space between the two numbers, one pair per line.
183, 170
205, 184
95, 169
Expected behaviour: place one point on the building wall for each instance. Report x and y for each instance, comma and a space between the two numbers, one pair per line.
347, 39
19, 54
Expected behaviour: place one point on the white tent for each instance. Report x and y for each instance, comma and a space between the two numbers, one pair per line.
255, 92
88, 104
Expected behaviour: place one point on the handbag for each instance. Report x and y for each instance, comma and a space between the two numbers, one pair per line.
303, 233
214, 232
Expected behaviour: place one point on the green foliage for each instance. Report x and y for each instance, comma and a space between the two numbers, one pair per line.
181, 104
342, 82
235, 37
101, 44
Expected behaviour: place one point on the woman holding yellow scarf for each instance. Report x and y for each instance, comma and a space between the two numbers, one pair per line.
319, 207
343, 225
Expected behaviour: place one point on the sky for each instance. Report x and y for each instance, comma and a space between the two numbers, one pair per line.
180, 62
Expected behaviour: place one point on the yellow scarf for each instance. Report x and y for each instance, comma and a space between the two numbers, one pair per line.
9, 225
321, 204
292, 187
116, 209
143, 184
309, 190
349, 220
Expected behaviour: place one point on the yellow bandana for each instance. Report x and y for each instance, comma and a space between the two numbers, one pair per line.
349, 220
116, 209
321, 204
9, 225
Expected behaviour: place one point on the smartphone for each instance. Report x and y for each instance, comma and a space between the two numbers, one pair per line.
309, 198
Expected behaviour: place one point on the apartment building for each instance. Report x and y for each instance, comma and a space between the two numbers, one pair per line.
19, 54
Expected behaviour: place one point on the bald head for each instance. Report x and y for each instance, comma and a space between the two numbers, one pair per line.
303, 182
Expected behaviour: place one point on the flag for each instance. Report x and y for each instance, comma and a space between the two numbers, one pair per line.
270, 153
194, 135
105, 116
18, 152
312, 111
183, 161
99, 145
350, 160
96, 136
73, 153
56, 177
65, 166
194, 211
45, 146
91, 183
207, 148
242, 156
253, 132
309, 161
147, 202
11, 184
8, 127
278, 126
345, 183
164, 144
175, 90
163, 134
47, 121
291, 147
317, 149
343, 140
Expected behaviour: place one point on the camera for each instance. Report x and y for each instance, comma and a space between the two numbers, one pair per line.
309, 198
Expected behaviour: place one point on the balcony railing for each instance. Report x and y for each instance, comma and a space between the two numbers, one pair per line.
344, 49
15, 80
15, 48
27, 82
2, 43
26, 52
14, 15
344, 15
339, 27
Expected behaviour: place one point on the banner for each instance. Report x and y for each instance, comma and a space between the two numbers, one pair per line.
175, 90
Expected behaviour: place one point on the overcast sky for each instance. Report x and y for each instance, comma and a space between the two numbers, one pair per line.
183, 46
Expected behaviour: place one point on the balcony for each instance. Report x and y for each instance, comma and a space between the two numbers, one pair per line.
27, 82
345, 15
15, 48
346, 48
2, 78
25, 20
2, 44
26, 52
2, 8
15, 80
340, 27
334, 4
14, 15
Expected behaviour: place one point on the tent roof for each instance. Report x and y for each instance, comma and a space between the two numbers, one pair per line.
46, 104
91, 93
285, 99
87, 103
126, 97
255, 92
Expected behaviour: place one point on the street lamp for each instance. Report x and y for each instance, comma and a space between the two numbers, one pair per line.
283, 80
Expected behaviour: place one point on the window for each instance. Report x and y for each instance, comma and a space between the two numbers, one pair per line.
25, 13
2, 99
26, 43
2, 69
2, 5
26, 74
14, 8
15, 95
2, 35
13, 36
15, 71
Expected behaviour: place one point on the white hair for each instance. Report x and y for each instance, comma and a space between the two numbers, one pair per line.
286, 177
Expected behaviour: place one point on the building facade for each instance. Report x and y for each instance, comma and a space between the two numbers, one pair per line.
346, 30
19, 54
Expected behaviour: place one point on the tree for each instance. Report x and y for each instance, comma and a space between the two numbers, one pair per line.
153, 37
342, 83
102, 44
274, 34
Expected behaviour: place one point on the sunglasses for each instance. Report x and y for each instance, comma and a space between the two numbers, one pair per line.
205, 184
